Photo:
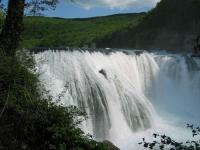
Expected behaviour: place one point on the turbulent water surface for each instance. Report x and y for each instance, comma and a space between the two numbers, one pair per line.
126, 95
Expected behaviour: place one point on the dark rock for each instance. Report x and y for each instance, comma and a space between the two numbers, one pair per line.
110, 145
103, 72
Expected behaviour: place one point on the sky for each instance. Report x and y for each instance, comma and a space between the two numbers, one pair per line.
92, 8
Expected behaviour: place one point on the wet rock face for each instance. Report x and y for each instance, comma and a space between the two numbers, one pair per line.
110, 145
103, 72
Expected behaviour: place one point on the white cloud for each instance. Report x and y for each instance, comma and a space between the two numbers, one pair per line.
119, 4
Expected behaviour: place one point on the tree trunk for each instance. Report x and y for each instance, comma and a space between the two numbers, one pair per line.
12, 28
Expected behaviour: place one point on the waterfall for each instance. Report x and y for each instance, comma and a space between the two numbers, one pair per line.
177, 87
122, 93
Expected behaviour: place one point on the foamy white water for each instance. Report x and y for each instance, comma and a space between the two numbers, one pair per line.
127, 97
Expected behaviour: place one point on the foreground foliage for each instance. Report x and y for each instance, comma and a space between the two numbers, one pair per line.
163, 142
28, 117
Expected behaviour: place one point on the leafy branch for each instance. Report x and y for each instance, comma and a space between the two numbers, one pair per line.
165, 142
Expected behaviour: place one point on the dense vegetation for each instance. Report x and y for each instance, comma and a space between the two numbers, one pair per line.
173, 24
58, 32
29, 119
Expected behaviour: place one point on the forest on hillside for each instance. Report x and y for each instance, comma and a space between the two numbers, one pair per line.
171, 25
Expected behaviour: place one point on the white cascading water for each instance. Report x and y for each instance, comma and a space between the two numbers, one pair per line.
123, 93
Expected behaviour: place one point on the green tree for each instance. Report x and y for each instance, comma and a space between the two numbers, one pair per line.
36, 7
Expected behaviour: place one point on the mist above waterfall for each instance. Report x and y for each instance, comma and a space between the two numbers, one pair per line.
125, 96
